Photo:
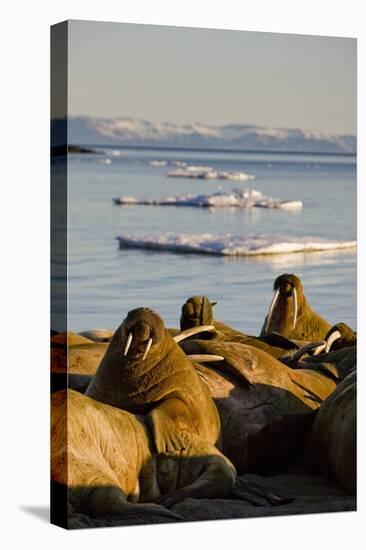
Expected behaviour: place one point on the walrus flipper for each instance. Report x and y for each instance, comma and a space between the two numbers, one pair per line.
278, 340
217, 478
257, 495
171, 422
111, 501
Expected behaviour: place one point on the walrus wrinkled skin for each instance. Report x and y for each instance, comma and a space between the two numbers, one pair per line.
198, 311
105, 457
331, 446
145, 372
98, 334
257, 398
73, 353
334, 364
290, 314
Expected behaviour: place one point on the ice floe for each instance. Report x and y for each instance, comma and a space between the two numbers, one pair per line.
200, 172
247, 198
179, 163
158, 162
208, 173
231, 245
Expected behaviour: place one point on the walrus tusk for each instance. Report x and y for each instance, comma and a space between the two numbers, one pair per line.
148, 346
128, 343
305, 349
271, 308
331, 339
294, 301
191, 331
202, 358
320, 348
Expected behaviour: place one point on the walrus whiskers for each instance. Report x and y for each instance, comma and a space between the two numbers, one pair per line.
271, 308
331, 339
192, 331
294, 300
148, 346
206, 358
128, 343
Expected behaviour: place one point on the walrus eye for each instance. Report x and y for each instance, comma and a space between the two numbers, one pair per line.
128, 343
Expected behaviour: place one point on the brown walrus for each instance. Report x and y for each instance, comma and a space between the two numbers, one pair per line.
98, 334
290, 314
334, 364
264, 405
73, 358
198, 311
340, 336
75, 353
105, 457
330, 448
144, 371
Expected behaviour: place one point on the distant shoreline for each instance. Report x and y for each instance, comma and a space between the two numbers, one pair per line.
62, 150
215, 150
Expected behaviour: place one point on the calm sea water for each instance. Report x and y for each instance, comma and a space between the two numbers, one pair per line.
105, 282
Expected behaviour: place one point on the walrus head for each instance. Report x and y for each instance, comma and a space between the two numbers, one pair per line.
140, 332
340, 336
196, 311
286, 286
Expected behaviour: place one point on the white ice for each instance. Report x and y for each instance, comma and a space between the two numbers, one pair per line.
247, 198
231, 245
208, 173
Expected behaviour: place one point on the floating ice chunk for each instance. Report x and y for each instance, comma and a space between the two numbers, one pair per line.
158, 162
208, 173
193, 168
247, 198
235, 176
275, 203
231, 245
179, 163
105, 161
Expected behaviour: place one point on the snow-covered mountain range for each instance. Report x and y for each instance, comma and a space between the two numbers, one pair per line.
84, 130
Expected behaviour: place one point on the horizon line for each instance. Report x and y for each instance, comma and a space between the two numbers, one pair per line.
204, 150
211, 124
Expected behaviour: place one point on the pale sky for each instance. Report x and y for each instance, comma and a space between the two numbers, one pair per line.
183, 75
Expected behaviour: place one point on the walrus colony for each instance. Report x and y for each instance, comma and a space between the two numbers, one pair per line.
187, 409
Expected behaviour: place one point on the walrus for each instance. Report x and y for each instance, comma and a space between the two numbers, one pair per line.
106, 459
98, 334
336, 364
198, 311
64, 339
75, 353
340, 336
290, 314
330, 447
265, 407
144, 371
74, 358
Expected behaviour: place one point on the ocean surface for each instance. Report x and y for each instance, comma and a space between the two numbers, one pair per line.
106, 281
